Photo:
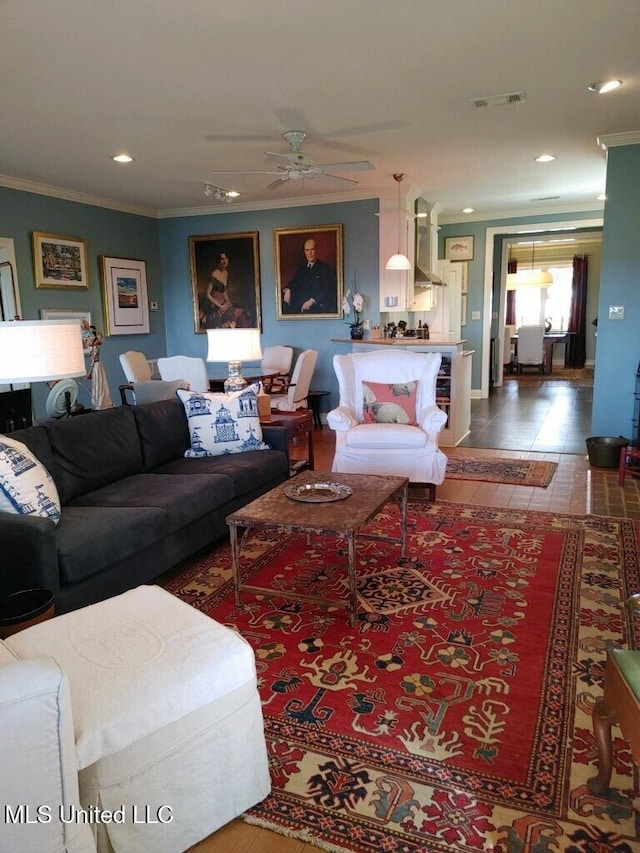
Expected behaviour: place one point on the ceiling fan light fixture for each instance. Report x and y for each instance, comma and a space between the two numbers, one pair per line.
122, 158
604, 86
398, 261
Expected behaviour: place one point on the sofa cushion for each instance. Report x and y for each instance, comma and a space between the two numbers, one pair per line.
183, 497
223, 423
163, 431
26, 487
94, 449
94, 539
248, 471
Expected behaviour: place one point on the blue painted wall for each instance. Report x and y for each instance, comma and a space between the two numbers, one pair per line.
618, 342
107, 232
360, 235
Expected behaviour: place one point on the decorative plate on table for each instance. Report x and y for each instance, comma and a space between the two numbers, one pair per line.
318, 492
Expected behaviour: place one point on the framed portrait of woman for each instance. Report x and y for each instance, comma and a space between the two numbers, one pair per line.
225, 281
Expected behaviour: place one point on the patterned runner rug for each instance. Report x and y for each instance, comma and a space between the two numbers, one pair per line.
517, 472
456, 716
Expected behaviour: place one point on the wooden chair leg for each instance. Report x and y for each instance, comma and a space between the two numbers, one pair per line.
603, 717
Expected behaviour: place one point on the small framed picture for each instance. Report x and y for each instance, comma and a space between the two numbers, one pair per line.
458, 248
59, 261
83, 317
124, 289
309, 278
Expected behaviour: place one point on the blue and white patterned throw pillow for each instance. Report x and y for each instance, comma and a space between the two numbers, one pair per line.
222, 423
26, 487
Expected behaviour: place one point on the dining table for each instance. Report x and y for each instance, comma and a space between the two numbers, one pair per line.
549, 342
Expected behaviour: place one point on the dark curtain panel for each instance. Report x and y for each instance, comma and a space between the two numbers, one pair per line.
575, 353
510, 316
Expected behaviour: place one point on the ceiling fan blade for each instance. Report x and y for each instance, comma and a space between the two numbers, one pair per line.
244, 172
323, 176
277, 183
361, 166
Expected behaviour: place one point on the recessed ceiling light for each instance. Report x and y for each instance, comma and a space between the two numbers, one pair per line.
467, 210
122, 158
545, 158
421, 215
604, 86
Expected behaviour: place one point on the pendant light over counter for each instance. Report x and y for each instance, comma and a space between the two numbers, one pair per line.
398, 261
529, 278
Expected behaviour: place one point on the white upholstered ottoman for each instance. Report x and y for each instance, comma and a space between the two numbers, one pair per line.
167, 718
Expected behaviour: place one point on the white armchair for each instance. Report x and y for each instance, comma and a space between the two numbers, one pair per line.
39, 759
191, 368
297, 390
393, 445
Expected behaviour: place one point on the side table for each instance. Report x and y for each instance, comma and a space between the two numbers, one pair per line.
298, 424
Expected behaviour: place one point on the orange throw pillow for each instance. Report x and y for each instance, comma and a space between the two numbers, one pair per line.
389, 403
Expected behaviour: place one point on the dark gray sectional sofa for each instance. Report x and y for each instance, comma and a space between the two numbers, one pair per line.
132, 505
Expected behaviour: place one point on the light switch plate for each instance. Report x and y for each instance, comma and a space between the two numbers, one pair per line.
616, 312
475, 315
153, 305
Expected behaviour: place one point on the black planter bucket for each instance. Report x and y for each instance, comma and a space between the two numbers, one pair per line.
25, 608
604, 451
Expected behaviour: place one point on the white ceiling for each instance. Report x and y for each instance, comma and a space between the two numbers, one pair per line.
188, 87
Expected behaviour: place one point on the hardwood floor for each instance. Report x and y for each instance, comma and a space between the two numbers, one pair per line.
576, 488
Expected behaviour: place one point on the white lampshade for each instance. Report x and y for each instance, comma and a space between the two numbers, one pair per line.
40, 350
529, 278
398, 262
233, 345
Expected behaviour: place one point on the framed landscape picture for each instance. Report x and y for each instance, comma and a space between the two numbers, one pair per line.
124, 290
309, 272
59, 261
458, 248
225, 281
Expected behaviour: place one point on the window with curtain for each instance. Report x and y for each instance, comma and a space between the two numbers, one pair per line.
534, 305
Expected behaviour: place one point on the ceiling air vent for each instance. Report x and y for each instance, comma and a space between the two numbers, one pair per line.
499, 100
546, 198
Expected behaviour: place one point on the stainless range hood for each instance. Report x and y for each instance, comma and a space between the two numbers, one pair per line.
425, 279
426, 254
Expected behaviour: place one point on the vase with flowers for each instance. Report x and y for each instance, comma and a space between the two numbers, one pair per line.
356, 305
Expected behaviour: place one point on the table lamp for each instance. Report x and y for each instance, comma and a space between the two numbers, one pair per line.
234, 346
40, 350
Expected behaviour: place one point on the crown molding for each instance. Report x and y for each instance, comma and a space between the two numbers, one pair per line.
613, 140
276, 204
69, 195
490, 216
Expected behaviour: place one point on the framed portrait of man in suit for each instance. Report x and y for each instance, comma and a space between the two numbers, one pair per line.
309, 272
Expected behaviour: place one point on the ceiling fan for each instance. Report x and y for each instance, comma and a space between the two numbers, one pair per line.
295, 165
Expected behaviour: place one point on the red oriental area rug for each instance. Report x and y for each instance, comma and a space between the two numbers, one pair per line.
517, 472
457, 714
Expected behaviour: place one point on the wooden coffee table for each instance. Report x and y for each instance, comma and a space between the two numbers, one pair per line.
342, 518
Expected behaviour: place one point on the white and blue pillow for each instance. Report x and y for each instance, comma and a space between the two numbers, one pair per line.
26, 487
220, 424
